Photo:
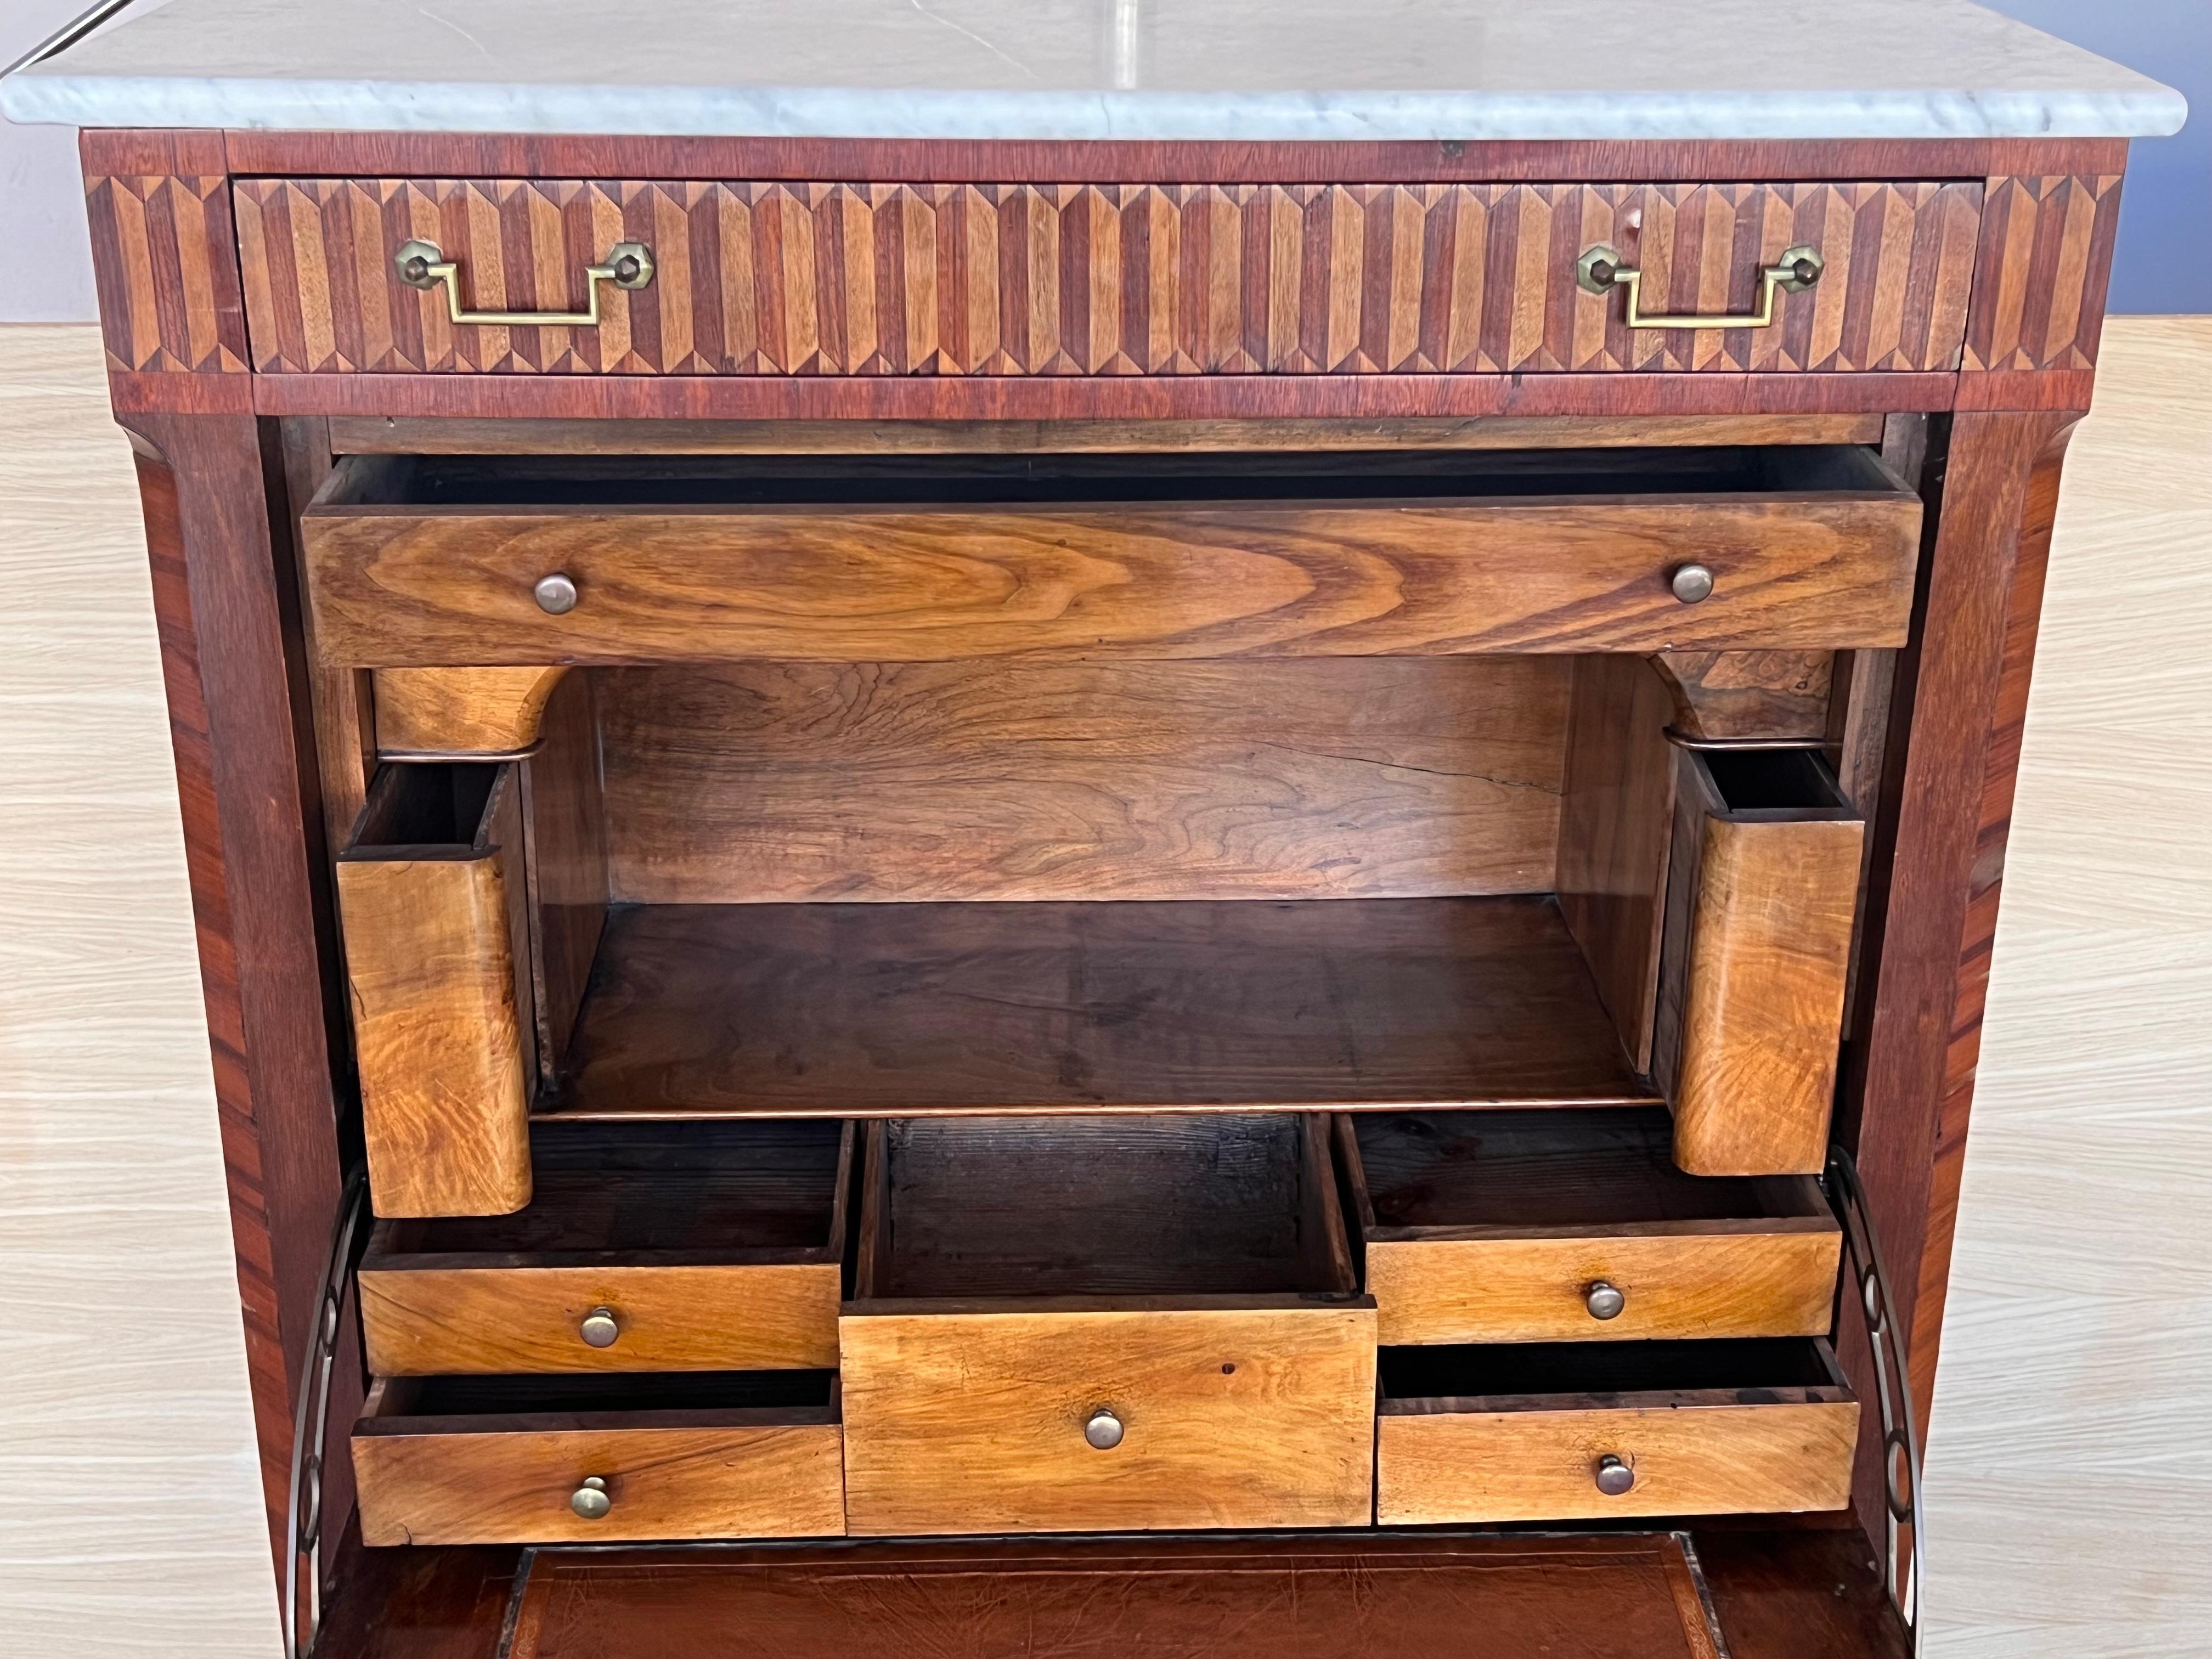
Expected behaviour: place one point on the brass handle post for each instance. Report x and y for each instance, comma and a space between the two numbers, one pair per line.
1600, 271
628, 265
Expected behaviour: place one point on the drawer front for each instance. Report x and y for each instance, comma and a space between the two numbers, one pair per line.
421, 1322
997, 279
1538, 1464
407, 585
423, 1482
1763, 1280
1258, 1416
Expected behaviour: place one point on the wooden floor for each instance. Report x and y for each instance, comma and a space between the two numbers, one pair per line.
2068, 1481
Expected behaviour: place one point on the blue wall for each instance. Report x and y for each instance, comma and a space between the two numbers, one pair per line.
2165, 218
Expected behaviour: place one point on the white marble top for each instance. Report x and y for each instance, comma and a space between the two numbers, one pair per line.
1099, 68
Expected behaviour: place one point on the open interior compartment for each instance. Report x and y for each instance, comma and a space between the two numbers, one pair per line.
947, 480
1211, 1205
656, 1194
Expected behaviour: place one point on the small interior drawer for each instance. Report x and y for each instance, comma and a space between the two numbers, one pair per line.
1762, 899
703, 1246
1073, 1324
1558, 1431
449, 561
434, 895
1569, 1225
599, 1459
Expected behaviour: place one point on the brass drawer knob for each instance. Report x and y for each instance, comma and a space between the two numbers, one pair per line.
555, 594
1613, 1477
599, 1328
1104, 1431
590, 1501
1604, 1301
1693, 584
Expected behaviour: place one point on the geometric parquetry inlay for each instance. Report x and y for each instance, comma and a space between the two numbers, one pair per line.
958, 279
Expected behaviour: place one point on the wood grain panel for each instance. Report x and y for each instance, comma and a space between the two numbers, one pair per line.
757, 1471
438, 1037
1615, 810
166, 261
1737, 695
409, 586
2040, 279
1314, 1596
960, 1419
1494, 1227
564, 821
459, 435
1762, 899
892, 1010
423, 1320
1693, 1455
456, 713
712, 1246
1008, 279
1346, 777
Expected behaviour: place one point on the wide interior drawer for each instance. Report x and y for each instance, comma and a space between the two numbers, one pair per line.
705, 1246
692, 277
460, 562
1567, 1226
1105, 1324
602, 1459
1589, 1430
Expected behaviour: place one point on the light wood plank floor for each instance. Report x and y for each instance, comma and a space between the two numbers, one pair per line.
2068, 1485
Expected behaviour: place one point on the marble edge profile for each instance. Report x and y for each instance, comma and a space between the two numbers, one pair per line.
88, 101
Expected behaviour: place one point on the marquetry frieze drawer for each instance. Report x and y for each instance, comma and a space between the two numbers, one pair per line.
713, 1246
1105, 1324
599, 1459
1603, 1430
454, 561
1002, 279
1576, 1226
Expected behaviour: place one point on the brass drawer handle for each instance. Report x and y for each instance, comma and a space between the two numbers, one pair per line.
1600, 271
422, 265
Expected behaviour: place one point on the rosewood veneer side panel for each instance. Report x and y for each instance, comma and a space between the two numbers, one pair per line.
1932, 910
1068, 279
252, 842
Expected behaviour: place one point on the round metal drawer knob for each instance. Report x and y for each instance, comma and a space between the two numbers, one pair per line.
555, 594
590, 1500
1613, 1477
598, 1328
1691, 583
1604, 1301
1104, 1431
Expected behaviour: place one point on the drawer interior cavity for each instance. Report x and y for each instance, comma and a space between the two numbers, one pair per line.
1101, 1206
462, 482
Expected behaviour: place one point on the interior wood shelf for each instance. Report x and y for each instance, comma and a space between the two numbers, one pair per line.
904, 1009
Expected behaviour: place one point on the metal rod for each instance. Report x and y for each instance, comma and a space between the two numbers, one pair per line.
1900, 1431
69, 33
303, 1525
